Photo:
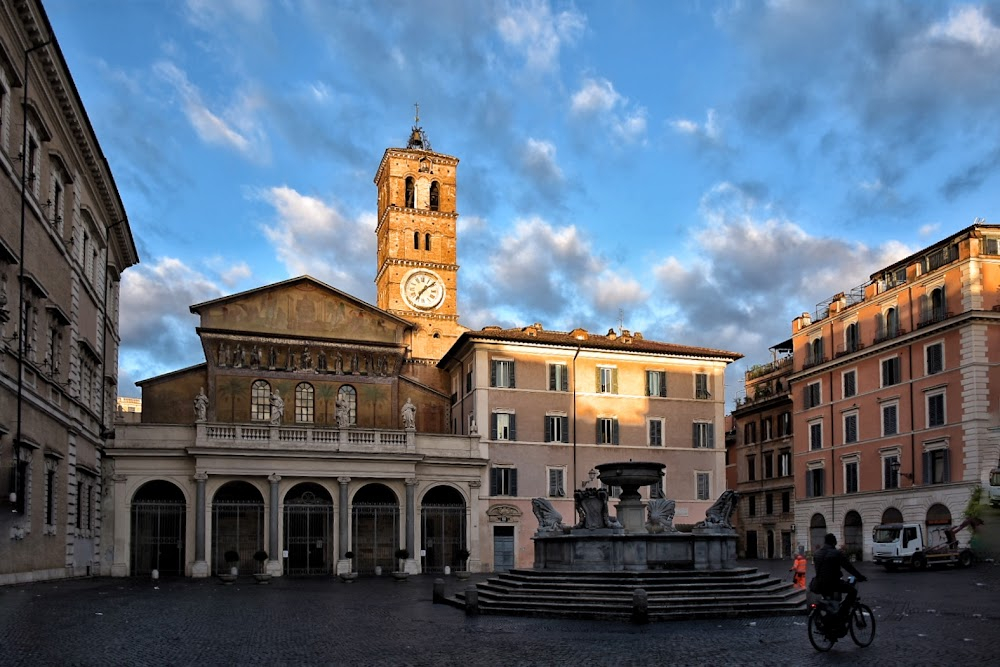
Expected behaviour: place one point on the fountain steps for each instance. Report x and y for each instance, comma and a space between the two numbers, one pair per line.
604, 595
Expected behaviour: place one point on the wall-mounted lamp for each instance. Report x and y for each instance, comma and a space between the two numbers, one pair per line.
895, 465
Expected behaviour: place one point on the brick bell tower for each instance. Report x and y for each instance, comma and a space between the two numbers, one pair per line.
417, 275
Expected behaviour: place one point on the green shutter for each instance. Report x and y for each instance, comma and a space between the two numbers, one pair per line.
513, 481
694, 435
614, 381
565, 428
548, 428
493, 373
493, 426
614, 431
512, 420
597, 379
663, 384
565, 378
511, 375
552, 377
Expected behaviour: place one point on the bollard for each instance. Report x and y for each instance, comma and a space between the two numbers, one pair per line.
472, 601
640, 606
438, 591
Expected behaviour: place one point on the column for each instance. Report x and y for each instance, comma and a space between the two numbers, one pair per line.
475, 562
123, 512
411, 564
200, 567
274, 553
343, 536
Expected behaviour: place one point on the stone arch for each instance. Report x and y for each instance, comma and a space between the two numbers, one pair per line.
375, 527
237, 525
158, 519
937, 518
817, 530
443, 528
854, 537
891, 514
308, 529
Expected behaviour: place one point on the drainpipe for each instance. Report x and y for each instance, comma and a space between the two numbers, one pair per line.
105, 431
21, 333
575, 482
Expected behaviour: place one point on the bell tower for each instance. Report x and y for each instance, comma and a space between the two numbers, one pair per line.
416, 232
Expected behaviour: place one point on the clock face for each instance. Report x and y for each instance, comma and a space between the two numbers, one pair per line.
423, 289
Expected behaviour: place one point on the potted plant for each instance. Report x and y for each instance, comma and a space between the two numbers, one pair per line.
232, 558
463, 556
261, 575
401, 555
350, 575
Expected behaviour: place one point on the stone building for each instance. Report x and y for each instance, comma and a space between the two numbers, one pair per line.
320, 425
64, 242
895, 387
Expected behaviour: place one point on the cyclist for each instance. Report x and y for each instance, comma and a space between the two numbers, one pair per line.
828, 562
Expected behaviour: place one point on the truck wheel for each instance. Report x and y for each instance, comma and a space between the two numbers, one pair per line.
919, 562
965, 559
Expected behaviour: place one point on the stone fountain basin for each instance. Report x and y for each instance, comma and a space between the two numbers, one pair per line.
630, 473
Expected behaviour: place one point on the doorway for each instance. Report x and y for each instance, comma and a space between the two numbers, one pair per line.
503, 548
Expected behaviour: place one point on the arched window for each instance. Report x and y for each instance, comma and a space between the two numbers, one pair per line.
304, 403
416, 240
816, 350
435, 195
260, 401
891, 322
852, 337
427, 241
348, 396
937, 304
409, 192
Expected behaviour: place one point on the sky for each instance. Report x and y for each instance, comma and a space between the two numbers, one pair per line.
701, 172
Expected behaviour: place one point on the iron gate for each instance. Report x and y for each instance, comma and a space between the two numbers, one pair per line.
237, 525
308, 526
442, 530
158, 537
375, 532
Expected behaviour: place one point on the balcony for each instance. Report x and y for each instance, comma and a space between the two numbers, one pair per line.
883, 336
932, 317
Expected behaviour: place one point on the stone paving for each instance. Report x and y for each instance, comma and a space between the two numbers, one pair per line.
944, 617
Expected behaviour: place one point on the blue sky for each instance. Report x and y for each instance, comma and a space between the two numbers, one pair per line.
710, 169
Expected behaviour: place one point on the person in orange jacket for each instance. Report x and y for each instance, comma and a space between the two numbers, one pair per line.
799, 569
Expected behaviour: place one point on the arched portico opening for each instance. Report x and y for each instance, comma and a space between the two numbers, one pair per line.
817, 531
237, 525
158, 521
892, 515
375, 528
938, 518
854, 539
308, 530
442, 528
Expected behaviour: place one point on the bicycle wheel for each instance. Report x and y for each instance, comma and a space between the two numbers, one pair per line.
862, 625
817, 636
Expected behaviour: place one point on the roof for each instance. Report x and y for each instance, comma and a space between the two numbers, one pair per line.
612, 342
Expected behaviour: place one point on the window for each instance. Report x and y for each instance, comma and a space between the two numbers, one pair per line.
701, 386
557, 482
768, 459
850, 383
934, 358
32, 170
749, 433
932, 306
769, 503
751, 468
502, 374
816, 435
656, 383
556, 428
304, 403
558, 377
349, 397
935, 410
850, 428
752, 506
704, 435
503, 481
786, 502
409, 192
814, 352
502, 426
784, 424
784, 464
468, 380
852, 337
607, 430
427, 241
814, 483
890, 471
703, 483
655, 431
50, 495
416, 240
260, 401
607, 380
936, 466
887, 325
435, 201
20, 483
766, 428
851, 477
612, 491
890, 372
889, 422
57, 200
813, 396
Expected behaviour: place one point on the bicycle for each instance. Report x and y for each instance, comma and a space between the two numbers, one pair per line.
825, 629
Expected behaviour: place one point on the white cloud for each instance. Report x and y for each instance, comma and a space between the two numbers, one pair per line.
928, 229
597, 98
968, 25
209, 13
709, 131
539, 157
594, 96
532, 27
313, 237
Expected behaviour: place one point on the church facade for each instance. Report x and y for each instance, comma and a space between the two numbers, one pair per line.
337, 435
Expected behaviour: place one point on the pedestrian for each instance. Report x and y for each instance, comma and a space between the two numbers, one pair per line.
799, 569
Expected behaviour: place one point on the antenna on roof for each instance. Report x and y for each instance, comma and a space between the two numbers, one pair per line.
416, 115
621, 321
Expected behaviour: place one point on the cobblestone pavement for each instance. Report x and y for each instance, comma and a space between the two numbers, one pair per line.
928, 618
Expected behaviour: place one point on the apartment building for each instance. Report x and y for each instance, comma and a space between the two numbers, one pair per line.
762, 458
551, 405
895, 393
64, 242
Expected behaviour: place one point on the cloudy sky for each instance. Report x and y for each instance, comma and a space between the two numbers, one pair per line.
708, 169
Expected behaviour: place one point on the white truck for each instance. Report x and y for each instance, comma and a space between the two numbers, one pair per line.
994, 487
904, 544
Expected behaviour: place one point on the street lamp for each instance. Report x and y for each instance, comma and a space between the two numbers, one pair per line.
894, 466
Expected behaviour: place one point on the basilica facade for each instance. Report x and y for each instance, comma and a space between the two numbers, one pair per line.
337, 435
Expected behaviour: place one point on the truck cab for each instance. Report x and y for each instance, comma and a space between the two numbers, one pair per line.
905, 545
994, 487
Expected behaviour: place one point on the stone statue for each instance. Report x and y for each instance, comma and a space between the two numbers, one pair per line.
272, 358
254, 357
306, 363
277, 408
238, 356
409, 415
660, 516
201, 406
549, 520
343, 414
321, 360
718, 515
592, 506
591, 482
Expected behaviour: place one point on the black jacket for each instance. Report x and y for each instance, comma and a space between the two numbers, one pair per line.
828, 562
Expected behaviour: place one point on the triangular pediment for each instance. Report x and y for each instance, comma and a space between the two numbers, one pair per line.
301, 307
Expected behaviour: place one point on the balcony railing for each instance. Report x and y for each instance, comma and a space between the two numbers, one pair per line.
305, 437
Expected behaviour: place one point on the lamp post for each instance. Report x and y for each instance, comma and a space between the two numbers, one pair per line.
895, 466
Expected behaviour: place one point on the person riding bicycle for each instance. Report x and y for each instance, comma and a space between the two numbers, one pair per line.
828, 562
